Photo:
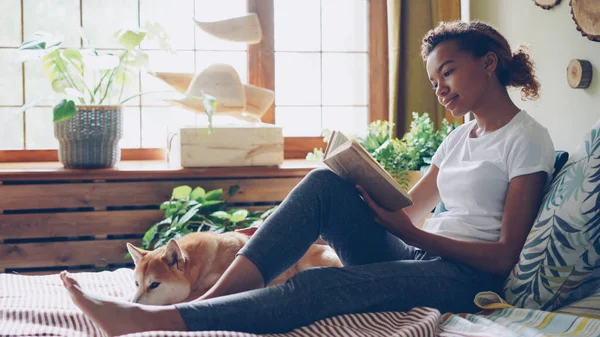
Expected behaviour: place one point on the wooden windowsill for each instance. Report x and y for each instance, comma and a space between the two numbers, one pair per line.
138, 170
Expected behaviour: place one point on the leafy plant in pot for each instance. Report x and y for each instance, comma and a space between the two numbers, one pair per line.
196, 210
404, 159
88, 117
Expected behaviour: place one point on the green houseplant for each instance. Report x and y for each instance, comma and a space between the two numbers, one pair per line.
195, 210
88, 117
404, 159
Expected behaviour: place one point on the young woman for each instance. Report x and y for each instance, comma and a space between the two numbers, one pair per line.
489, 172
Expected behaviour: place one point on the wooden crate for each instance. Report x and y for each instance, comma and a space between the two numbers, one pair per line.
53, 220
236, 145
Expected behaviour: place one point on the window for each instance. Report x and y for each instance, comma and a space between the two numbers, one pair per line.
316, 54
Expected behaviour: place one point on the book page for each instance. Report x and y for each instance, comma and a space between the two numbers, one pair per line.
337, 138
352, 162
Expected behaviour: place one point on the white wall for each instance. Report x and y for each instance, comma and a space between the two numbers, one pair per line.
553, 41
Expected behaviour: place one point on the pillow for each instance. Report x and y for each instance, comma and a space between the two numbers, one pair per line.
560, 161
588, 306
559, 262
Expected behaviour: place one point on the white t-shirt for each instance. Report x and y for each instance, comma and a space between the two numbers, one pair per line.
475, 172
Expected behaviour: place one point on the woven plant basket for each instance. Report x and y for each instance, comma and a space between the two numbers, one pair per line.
90, 139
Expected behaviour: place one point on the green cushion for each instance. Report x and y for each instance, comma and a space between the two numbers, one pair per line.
559, 262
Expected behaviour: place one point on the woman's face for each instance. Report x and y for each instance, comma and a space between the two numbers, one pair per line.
458, 78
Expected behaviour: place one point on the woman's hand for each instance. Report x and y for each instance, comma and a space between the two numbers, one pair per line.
396, 222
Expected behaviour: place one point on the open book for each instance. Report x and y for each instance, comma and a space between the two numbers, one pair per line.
349, 160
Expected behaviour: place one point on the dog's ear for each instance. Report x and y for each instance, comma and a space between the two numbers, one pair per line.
136, 253
173, 254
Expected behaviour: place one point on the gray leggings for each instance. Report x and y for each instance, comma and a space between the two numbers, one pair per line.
380, 273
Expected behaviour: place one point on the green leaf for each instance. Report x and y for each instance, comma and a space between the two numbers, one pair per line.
221, 215
181, 192
157, 32
149, 236
166, 204
64, 110
239, 215
189, 214
210, 108
198, 194
214, 195
233, 190
57, 72
129, 38
42, 40
268, 212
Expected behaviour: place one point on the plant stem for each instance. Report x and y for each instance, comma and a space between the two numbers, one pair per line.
83, 82
111, 77
146, 92
65, 73
122, 82
100, 83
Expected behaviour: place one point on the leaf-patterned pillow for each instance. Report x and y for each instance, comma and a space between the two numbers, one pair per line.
560, 261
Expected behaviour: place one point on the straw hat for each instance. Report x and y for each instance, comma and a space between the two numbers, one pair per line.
240, 29
222, 82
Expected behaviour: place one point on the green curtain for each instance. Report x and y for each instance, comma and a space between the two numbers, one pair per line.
409, 87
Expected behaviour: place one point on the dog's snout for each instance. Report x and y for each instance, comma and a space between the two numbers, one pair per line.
136, 299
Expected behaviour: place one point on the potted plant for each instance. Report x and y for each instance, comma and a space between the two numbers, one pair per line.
195, 210
404, 159
88, 118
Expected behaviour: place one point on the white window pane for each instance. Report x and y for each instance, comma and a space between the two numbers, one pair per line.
160, 61
36, 82
158, 122
131, 128
10, 21
345, 25
11, 137
297, 78
102, 18
176, 19
40, 129
297, 25
211, 10
11, 78
345, 79
299, 121
59, 17
349, 120
237, 59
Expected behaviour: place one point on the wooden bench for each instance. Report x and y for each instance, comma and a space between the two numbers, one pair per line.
79, 220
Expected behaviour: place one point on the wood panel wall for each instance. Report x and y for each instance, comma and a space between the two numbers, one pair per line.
55, 223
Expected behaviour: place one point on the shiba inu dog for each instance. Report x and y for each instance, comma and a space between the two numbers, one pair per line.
185, 269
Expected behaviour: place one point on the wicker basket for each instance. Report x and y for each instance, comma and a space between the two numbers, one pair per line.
90, 139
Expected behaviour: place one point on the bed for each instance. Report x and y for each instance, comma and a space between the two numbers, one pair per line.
553, 290
40, 306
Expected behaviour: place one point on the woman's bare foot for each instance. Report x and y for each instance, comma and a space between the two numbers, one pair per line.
117, 317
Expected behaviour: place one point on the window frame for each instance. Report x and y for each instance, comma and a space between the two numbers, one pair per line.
261, 72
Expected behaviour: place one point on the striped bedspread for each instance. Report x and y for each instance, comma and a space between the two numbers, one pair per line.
39, 306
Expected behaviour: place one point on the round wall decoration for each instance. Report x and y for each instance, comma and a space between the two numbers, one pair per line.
586, 14
579, 74
547, 4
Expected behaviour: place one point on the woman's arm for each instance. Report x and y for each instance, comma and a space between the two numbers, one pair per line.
523, 199
425, 196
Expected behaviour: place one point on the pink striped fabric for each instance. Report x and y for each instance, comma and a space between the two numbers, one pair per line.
39, 306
